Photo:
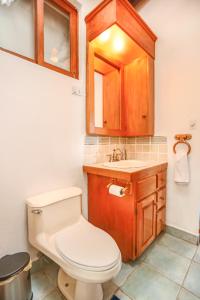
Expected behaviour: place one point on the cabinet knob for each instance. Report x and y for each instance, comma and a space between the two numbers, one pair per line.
144, 116
105, 122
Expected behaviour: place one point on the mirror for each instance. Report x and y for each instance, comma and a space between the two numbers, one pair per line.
98, 99
106, 94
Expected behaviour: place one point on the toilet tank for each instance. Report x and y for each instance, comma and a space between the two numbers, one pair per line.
50, 212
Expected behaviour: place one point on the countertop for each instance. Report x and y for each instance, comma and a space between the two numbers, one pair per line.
128, 173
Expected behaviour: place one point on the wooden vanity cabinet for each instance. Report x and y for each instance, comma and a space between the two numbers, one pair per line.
136, 219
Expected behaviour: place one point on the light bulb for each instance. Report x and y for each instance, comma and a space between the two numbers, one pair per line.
104, 36
118, 44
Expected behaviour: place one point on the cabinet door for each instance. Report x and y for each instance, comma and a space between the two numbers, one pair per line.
146, 223
161, 220
113, 214
139, 96
111, 101
161, 198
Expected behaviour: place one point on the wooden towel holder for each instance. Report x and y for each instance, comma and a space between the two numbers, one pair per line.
182, 139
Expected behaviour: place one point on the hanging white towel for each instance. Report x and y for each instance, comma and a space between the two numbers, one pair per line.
181, 168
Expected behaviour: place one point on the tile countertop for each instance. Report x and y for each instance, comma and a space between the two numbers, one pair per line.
126, 174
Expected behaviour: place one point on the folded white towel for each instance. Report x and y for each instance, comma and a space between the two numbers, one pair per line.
181, 168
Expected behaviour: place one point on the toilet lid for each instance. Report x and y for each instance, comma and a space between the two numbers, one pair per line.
87, 246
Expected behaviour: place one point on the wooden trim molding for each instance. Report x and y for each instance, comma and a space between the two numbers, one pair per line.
18, 55
122, 13
39, 31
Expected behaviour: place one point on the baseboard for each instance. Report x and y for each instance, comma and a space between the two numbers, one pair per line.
181, 234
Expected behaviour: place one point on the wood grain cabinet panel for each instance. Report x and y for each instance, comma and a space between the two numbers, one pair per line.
145, 187
161, 179
161, 220
139, 96
111, 101
146, 223
161, 198
113, 214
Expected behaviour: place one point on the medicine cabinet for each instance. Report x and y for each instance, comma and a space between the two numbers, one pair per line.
120, 71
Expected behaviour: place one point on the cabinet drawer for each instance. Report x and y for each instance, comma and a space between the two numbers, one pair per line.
145, 187
160, 220
161, 198
161, 179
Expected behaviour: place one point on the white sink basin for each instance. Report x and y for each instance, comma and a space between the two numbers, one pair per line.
125, 164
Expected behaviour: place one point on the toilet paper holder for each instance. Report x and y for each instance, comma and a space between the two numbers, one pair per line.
127, 186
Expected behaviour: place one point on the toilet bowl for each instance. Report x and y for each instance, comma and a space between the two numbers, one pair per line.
87, 255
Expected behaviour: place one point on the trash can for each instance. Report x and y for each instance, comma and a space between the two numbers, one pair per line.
15, 279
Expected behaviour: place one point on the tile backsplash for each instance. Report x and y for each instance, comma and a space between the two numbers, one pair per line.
97, 149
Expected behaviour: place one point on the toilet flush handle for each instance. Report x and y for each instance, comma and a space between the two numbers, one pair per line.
36, 211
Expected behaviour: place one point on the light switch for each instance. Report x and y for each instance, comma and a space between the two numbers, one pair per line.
77, 91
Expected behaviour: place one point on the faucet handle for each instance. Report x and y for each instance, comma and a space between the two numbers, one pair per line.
124, 154
117, 154
110, 157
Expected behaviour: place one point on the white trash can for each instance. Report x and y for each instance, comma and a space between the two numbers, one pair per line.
15, 278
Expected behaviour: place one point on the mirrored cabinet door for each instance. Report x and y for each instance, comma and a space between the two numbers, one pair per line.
105, 95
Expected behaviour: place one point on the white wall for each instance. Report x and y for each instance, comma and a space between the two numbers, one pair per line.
41, 137
41, 130
177, 23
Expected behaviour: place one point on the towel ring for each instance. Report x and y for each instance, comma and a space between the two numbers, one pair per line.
182, 142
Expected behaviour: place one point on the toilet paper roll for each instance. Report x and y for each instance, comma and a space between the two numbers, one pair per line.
116, 190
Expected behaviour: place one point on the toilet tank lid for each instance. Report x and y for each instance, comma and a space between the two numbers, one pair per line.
45, 199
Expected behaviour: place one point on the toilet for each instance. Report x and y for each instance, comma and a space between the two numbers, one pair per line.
87, 255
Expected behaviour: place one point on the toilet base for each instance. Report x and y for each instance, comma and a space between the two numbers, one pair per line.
78, 290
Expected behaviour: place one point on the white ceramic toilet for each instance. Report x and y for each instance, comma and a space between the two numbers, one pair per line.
87, 255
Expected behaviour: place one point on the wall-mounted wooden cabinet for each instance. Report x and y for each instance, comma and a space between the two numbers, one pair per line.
120, 71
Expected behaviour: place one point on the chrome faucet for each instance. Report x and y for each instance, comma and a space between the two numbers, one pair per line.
117, 155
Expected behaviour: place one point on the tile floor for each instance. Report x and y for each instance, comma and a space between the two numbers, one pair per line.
168, 270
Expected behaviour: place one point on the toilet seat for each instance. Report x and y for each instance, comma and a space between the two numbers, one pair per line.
87, 247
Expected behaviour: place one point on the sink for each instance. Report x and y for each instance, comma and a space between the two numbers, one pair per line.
125, 164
